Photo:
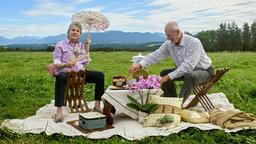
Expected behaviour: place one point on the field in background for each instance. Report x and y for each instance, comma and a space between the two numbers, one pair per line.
25, 87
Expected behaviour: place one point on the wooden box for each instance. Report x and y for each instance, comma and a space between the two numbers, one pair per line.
119, 81
92, 120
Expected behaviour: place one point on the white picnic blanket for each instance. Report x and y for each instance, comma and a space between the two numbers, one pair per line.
126, 127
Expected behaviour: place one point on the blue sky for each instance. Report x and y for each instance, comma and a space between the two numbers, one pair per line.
52, 17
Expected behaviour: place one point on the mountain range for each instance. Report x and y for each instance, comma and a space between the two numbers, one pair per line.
108, 37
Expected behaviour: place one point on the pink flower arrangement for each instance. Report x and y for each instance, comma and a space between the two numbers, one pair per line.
150, 83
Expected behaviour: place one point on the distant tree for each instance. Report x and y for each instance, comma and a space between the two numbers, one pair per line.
229, 37
2, 48
236, 41
188, 33
246, 37
50, 48
222, 35
234, 38
208, 39
253, 33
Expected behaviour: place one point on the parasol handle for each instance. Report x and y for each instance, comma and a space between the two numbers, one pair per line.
88, 33
87, 41
87, 45
89, 29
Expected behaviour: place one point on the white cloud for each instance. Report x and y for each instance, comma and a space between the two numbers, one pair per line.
98, 9
194, 16
124, 21
145, 16
50, 8
13, 20
53, 8
11, 31
82, 1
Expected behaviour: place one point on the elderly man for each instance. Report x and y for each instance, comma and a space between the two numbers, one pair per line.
192, 63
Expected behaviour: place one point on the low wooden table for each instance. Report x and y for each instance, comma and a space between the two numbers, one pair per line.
115, 101
107, 111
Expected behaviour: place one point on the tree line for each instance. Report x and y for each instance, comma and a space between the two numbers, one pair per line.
229, 37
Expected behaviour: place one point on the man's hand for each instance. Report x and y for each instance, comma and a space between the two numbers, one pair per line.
134, 68
164, 79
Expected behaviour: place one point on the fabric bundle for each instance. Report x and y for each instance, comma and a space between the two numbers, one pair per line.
232, 119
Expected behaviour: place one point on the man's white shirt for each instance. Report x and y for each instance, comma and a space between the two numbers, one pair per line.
189, 55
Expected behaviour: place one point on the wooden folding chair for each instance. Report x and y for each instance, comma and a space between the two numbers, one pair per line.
200, 91
74, 95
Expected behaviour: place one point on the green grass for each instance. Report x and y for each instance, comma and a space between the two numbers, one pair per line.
25, 87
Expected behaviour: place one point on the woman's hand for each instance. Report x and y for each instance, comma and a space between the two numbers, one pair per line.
71, 63
88, 40
68, 65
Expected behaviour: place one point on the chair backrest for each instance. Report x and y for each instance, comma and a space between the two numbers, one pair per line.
74, 94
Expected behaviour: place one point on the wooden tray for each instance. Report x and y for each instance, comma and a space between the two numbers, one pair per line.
72, 123
116, 88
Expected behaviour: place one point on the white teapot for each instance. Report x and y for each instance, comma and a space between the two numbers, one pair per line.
137, 58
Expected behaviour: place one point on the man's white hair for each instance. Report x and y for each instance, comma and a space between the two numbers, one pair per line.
174, 25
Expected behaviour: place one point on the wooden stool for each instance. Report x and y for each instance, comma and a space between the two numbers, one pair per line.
74, 95
200, 91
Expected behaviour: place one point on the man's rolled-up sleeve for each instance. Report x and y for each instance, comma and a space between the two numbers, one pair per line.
156, 56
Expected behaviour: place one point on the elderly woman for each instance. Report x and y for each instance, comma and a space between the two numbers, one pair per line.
70, 55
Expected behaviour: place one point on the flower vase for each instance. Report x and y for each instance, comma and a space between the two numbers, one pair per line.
141, 116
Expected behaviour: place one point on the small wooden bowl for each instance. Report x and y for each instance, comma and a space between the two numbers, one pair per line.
118, 81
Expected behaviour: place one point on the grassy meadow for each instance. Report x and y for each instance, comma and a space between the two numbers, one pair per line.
25, 87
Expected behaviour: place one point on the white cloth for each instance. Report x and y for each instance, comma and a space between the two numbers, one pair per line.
189, 55
119, 100
126, 127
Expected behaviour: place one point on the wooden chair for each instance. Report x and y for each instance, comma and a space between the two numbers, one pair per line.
200, 91
74, 95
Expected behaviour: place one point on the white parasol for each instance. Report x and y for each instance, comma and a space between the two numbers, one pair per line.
91, 21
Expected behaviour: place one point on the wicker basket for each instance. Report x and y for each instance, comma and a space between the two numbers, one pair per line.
152, 120
168, 105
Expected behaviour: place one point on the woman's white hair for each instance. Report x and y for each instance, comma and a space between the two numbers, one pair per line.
75, 24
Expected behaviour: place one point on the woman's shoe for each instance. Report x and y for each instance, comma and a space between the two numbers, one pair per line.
61, 119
